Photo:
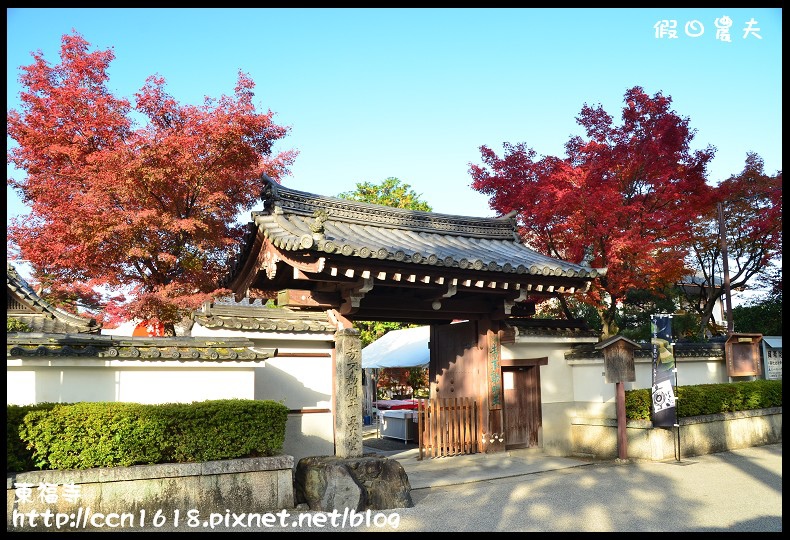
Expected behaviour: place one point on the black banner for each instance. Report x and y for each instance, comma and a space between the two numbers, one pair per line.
663, 412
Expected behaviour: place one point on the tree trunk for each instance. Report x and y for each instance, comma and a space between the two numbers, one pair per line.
706, 314
608, 325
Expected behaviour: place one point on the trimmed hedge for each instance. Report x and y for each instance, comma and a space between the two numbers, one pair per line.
18, 457
115, 434
702, 399
112, 434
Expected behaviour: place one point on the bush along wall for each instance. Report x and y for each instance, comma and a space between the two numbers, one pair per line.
702, 399
115, 434
18, 456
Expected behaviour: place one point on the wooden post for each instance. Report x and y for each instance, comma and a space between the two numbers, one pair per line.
622, 436
618, 361
420, 425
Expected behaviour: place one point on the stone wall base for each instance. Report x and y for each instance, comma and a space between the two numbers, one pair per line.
144, 495
697, 435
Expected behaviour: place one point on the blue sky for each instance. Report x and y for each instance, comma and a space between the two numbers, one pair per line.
413, 93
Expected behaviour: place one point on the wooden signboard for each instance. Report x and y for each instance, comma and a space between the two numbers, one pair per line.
618, 359
742, 352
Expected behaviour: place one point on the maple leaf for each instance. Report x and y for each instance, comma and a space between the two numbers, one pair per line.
628, 192
150, 210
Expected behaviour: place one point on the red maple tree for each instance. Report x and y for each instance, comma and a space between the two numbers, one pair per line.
146, 211
751, 215
624, 197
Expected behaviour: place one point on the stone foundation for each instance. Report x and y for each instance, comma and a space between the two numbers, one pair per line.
698, 435
97, 499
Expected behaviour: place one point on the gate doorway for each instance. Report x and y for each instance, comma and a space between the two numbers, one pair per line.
522, 412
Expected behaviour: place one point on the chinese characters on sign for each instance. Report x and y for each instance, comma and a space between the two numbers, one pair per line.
45, 492
494, 374
668, 29
773, 364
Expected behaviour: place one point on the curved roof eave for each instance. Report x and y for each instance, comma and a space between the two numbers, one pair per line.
302, 222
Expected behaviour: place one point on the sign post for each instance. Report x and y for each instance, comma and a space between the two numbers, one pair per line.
618, 361
664, 411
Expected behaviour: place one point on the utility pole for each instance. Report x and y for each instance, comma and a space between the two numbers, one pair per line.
725, 269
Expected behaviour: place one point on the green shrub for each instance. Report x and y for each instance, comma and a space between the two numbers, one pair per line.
87, 435
224, 429
18, 456
701, 399
109, 434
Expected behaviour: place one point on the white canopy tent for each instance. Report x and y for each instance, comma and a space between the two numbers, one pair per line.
398, 349
404, 348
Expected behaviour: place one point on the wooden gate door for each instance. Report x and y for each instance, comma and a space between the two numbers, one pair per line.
522, 410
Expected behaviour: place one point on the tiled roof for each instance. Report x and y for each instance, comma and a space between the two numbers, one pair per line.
298, 221
370, 262
517, 328
158, 349
681, 350
256, 317
38, 314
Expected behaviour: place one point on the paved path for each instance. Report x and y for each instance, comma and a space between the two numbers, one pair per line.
729, 491
737, 491
447, 471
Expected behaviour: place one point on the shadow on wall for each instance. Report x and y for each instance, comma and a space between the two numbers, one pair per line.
297, 383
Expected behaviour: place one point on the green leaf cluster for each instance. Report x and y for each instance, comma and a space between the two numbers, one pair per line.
224, 429
764, 317
18, 456
15, 325
390, 192
117, 434
702, 399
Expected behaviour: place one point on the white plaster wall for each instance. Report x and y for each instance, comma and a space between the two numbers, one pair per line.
309, 434
20, 387
71, 384
712, 371
298, 382
185, 385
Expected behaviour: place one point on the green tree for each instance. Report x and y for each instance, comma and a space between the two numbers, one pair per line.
761, 317
15, 325
370, 331
391, 192
764, 314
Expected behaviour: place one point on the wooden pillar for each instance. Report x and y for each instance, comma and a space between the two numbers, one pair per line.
618, 361
622, 435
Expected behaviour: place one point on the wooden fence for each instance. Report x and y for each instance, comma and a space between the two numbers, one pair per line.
448, 427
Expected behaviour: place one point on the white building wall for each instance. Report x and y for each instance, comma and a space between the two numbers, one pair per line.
152, 386
577, 388
31, 381
302, 380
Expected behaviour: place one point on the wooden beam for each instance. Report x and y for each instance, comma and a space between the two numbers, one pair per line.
300, 298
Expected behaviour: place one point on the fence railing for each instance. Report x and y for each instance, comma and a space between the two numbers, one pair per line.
448, 427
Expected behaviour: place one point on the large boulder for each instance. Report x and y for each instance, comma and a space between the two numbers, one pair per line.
327, 483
